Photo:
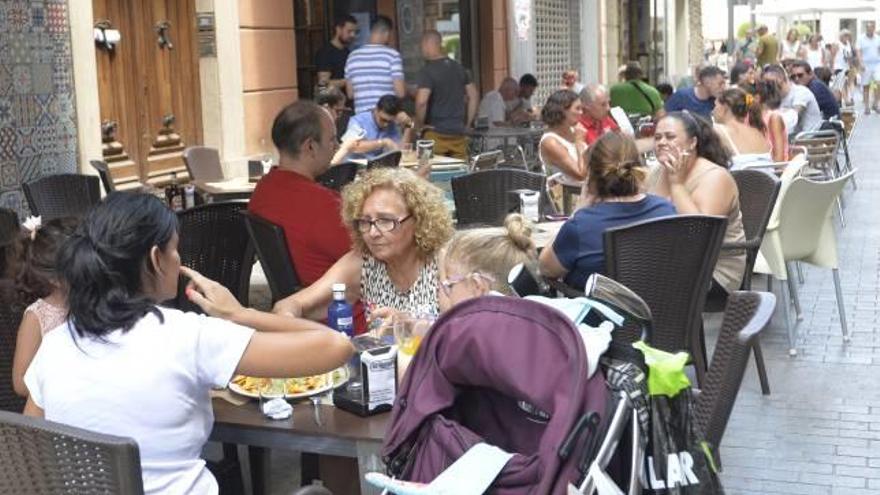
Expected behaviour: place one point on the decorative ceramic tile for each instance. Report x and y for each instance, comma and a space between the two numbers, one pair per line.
8, 176
21, 79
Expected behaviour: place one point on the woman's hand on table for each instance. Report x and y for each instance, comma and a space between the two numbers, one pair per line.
213, 298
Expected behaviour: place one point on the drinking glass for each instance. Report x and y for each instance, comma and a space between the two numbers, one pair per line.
425, 151
408, 153
409, 330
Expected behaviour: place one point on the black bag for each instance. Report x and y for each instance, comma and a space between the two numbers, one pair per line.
677, 460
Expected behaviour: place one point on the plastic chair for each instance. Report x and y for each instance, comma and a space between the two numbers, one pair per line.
62, 195
485, 197
747, 314
486, 161
338, 176
271, 247
214, 241
668, 262
203, 164
41, 456
11, 310
822, 163
390, 159
800, 229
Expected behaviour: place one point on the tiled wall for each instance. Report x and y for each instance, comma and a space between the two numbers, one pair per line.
37, 113
268, 65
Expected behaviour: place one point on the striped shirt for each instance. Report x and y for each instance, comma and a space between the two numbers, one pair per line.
372, 70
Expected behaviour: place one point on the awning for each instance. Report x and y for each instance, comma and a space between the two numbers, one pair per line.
814, 7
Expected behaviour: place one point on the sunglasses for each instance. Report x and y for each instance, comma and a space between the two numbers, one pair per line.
797, 75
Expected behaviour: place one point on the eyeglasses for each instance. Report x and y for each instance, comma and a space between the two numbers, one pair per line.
384, 225
449, 283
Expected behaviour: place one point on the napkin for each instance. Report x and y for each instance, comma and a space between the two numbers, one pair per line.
277, 409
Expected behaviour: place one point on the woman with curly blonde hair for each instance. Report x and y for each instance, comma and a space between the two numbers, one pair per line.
398, 222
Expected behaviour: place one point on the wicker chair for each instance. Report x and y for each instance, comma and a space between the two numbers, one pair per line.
214, 241
203, 164
746, 316
39, 456
11, 309
9, 226
62, 195
339, 176
104, 174
390, 159
485, 197
668, 262
270, 245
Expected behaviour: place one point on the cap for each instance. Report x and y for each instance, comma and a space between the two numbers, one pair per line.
338, 287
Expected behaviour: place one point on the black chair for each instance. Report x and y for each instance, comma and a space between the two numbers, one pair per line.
747, 314
39, 456
270, 245
214, 241
484, 197
390, 159
668, 262
757, 196
339, 176
62, 195
104, 174
11, 309
9, 225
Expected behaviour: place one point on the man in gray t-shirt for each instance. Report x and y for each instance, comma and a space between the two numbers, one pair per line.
797, 98
446, 100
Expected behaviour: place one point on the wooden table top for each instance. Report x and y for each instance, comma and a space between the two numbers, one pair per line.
336, 422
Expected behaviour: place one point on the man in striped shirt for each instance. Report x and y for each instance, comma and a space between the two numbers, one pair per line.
375, 69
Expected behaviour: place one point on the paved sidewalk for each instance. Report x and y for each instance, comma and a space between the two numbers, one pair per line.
819, 430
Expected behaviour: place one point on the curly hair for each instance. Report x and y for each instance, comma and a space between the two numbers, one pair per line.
557, 103
424, 201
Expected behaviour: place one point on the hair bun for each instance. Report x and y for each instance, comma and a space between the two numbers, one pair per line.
519, 230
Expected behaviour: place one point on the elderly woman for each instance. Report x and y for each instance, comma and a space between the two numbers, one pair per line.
695, 178
398, 222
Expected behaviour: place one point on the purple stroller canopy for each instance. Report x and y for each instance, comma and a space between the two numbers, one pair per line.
492, 370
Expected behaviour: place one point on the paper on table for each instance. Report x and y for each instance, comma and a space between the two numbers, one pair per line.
622, 120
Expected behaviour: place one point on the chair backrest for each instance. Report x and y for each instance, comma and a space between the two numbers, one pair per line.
338, 176
11, 309
203, 163
805, 216
487, 160
62, 195
9, 226
514, 157
390, 159
50, 457
747, 313
104, 174
214, 241
757, 197
821, 148
668, 262
271, 247
485, 197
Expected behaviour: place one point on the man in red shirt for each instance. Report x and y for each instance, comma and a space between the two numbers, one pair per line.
288, 195
596, 119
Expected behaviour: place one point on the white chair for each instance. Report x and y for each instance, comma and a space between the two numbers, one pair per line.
800, 229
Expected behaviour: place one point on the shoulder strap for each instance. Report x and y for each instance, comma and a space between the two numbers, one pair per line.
723, 131
640, 90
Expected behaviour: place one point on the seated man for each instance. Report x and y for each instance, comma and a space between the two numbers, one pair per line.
496, 105
288, 195
796, 100
376, 131
524, 110
802, 74
596, 119
700, 98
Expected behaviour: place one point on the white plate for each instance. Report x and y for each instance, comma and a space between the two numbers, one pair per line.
342, 377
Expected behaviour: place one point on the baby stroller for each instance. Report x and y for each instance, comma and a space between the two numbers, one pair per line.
507, 372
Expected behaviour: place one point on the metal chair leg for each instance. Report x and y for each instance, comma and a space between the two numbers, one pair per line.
840, 213
762, 370
849, 163
792, 287
840, 308
800, 272
792, 329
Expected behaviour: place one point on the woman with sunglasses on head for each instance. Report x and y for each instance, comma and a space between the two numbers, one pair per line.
398, 223
695, 178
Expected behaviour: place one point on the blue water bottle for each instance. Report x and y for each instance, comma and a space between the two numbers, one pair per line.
340, 315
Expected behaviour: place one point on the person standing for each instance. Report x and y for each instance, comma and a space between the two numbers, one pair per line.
700, 98
375, 69
634, 95
868, 55
842, 58
791, 46
331, 58
446, 99
768, 47
814, 54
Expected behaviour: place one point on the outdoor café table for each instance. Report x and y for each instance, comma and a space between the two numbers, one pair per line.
235, 188
342, 434
545, 232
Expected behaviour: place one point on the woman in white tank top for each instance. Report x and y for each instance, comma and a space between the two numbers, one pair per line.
815, 54
561, 149
791, 45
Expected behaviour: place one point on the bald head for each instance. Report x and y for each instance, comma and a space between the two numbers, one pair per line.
432, 44
509, 88
597, 104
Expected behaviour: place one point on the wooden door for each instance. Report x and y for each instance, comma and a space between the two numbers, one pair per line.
149, 88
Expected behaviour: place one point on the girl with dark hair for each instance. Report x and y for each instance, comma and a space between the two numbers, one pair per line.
694, 177
123, 365
612, 197
776, 129
38, 278
561, 149
740, 124
743, 76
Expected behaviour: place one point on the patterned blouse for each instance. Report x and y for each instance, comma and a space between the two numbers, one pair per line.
378, 291
49, 316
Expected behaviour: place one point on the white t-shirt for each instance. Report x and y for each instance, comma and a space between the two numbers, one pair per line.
151, 383
492, 106
801, 96
870, 49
